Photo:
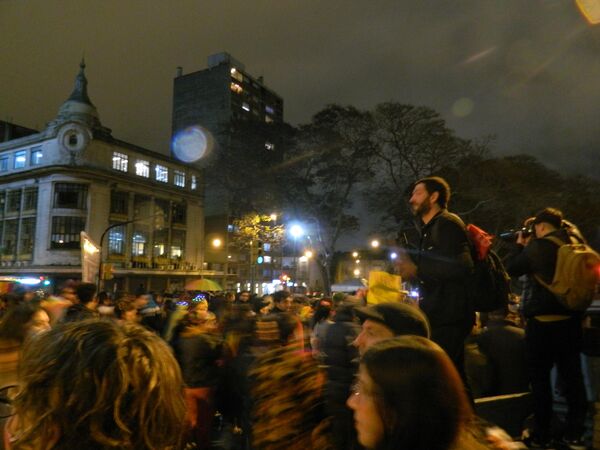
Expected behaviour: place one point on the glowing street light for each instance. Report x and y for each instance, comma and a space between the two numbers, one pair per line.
296, 231
375, 243
356, 272
355, 254
357, 261
308, 254
393, 255
273, 217
216, 243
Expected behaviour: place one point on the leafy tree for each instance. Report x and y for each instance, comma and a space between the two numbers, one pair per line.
332, 156
256, 227
412, 142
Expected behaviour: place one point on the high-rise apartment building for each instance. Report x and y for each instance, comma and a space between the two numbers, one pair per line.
213, 97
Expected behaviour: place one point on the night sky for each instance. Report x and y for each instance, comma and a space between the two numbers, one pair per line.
527, 71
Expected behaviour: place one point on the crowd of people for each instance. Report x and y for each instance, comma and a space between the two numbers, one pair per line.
88, 370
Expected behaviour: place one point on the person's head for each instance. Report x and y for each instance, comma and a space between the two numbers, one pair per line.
322, 311
546, 221
429, 194
23, 320
386, 320
408, 395
229, 297
283, 300
86, 293
67, 291
126, 310
97, 384
244, 296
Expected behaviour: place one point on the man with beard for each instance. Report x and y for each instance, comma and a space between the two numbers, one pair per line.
441, 264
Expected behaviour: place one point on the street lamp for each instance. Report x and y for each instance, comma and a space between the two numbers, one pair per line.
393, 255
375, 243
296, 231
356, 272
216, 243
355, 254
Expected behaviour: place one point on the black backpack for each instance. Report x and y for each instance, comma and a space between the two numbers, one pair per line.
489, 286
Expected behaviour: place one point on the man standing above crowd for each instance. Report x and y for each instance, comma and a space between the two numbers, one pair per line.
553, 335
441, 263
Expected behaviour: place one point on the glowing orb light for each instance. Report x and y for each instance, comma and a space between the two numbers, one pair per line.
192, 144
463, 107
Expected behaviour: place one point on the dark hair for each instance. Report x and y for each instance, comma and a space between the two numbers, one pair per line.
86, 292
439, 185
322, 311
418, 392
123, 305
280, 296
550, 216
13, 325
94, 384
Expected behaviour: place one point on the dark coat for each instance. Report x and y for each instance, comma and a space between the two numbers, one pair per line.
78, 312
504, 346
197, 355
340, 354
444, 265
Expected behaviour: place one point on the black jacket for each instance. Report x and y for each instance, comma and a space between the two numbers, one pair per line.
538, 258
340, 354
444, 265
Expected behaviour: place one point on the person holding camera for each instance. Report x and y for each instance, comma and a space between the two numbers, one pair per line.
553, 333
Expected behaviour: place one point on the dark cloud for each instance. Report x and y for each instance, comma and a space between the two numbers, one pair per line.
525, 71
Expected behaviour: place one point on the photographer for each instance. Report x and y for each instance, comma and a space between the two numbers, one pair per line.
553, 332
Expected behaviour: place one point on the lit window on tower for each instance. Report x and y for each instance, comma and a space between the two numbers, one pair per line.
20, 159
179, 178
142, 168
236, 88
162, 173
120, 161
236, 74
36, 156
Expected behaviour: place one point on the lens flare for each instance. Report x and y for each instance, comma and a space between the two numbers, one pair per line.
192, 144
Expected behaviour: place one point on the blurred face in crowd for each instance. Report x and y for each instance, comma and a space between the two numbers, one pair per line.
420, 200
371, 333
285, 304
39, 322
244, 296
367, 421
69, 294
141, 301
202, 306
130, 315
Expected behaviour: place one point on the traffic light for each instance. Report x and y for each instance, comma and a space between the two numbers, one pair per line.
260, 258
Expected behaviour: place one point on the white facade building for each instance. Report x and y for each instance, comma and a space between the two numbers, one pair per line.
74, 176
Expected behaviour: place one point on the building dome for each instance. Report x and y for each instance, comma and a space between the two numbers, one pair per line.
78, 107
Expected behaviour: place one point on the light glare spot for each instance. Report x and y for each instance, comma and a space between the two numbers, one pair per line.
192, 144
463, 107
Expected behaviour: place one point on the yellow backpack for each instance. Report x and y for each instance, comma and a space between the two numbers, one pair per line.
576, 275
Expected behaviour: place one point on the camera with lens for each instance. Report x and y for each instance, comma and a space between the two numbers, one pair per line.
511, 235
